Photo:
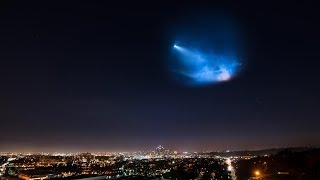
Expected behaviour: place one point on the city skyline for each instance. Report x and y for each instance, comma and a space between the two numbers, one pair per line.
162, 163
153, 149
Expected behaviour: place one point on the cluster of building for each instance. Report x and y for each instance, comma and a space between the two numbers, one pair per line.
159, 163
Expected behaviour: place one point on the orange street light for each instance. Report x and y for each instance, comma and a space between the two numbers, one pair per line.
257, 173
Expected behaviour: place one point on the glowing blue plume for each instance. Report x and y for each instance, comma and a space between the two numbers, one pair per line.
205, 68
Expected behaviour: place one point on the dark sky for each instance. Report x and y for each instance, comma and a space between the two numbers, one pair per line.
93, 77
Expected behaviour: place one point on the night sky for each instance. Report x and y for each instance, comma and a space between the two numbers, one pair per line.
95, 77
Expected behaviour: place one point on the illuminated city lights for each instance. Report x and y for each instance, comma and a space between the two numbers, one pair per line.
155, 163
257, 173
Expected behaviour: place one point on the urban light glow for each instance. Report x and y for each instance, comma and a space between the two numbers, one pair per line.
257, 173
